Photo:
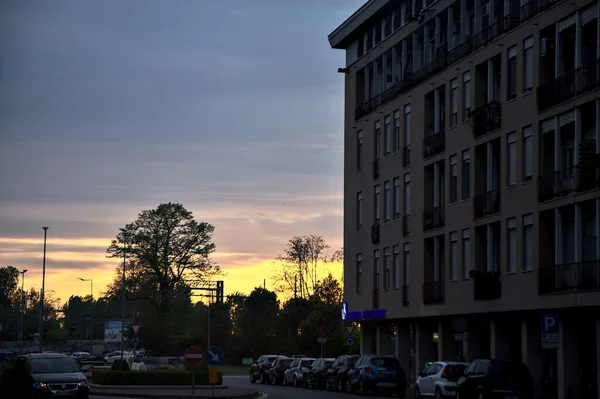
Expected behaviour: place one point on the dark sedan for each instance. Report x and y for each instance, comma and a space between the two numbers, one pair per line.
317, 373
260, 368
337, 375
58, 375
277, 370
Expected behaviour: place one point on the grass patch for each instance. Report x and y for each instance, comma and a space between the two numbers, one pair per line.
233, 369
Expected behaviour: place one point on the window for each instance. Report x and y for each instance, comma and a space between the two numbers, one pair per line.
511, 80
466, 253
396, 131
397, 266
359, 150
407, 194
511, 248
387, 202
454, 102
466, 96
407, 124
453, 255
527, 160
406, 261
377, 204
359, 273
359, 211
376, 270
511, 154
387, 278
466, 175
528, 64
387, 136
377, 138
528, 243
396, 198
453, 190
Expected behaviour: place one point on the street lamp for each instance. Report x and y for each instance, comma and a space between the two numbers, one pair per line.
91, 307
22, 310
42, 291
123, 231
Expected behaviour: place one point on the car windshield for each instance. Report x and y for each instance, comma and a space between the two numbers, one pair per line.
54, 365
384, 361
352, 361
270, 360
454, 371
286, 363
328, 363
306, 363
506, 370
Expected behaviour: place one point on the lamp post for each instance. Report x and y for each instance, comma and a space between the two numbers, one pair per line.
22, 310
123, 231
41, 332
91, 307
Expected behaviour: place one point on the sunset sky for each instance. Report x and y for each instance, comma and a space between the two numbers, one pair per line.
230, 107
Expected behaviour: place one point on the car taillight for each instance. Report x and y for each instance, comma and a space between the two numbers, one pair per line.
444, 374
368, 370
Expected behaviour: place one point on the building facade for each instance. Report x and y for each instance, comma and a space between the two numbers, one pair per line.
472, 184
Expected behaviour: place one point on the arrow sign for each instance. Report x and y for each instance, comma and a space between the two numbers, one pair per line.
349, 341
214, 356
135, 328
135, 340
350, 329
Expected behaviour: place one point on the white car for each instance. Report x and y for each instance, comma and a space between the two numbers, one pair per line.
439, 379
81, 355
113, 356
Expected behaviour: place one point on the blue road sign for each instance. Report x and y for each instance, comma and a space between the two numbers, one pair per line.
550, 331
322, 332
214, 356
349, 341
135, 340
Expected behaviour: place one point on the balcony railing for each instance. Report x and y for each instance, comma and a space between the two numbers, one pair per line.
486, 286
406, 295
570, 277
375, 298
405, 220
571, 84
486, 119
447, 57
434, 218
375, 233
486, 204
406, 155
433, 292
376, 169
434, 144
558, 184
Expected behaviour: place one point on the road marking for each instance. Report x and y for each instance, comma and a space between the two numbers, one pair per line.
263, 395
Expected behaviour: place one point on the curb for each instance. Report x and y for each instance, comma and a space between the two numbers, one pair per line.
174, 387
253, 395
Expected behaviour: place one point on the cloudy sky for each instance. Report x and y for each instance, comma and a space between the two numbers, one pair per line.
231, 107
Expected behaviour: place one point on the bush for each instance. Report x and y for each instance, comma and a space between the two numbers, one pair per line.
120, 365
163, 377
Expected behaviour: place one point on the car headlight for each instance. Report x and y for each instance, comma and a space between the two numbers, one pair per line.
40, 385
83, 383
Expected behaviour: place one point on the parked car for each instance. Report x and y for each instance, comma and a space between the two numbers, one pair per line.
316, 376
113, 356
275, 373
295, 373
377, 373
58, 375
486, 378
81, 355
439, 379
260, 368
337, 375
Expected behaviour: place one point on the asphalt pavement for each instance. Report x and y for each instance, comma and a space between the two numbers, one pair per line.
289, 392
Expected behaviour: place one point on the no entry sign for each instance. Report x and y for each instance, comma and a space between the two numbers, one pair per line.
194, 355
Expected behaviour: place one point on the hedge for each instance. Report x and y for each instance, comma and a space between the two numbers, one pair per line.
162, 377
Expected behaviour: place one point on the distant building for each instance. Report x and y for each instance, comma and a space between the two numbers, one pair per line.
471, 183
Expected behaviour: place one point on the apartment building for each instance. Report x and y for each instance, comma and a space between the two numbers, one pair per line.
472, 184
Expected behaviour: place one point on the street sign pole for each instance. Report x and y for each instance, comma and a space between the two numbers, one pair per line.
193, 379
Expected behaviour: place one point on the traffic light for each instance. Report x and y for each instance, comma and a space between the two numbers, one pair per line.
220, 286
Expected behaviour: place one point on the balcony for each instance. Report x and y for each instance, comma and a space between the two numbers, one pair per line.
434, 218
558, 184
571, 84
375, 298
486, 119
405, 295
486, 204
486, 286
570, 277
434, 144
406, 156
376, 169
433, 292
405, 220
375, 233
448, 57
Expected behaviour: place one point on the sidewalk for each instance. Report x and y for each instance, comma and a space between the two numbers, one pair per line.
172, 392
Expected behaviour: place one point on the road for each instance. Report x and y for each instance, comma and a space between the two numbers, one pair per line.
282, 392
